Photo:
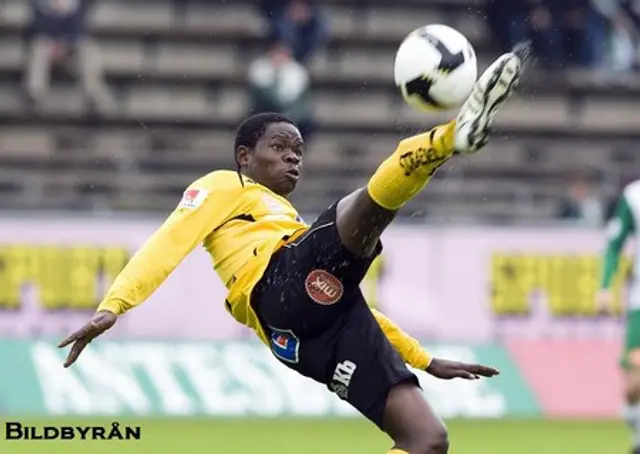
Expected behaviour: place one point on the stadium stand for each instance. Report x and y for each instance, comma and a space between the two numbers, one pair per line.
178, 72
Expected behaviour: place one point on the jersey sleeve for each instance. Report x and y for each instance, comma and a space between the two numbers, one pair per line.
198, 213
406, 346
618, 229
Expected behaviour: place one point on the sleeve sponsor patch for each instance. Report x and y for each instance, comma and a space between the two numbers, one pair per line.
273, 205
193, 198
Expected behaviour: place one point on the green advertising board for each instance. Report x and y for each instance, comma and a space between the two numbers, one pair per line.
221, 379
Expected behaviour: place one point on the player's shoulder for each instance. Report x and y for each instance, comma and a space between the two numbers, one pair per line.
218, 180
632, 191
219, 186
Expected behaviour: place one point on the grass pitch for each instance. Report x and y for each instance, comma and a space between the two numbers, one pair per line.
311, 436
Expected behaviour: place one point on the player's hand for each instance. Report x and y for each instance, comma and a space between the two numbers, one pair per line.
446, 370
604, 301
100, 322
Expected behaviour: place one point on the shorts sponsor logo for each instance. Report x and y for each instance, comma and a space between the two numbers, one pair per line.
342, 378
285, 345
323, 287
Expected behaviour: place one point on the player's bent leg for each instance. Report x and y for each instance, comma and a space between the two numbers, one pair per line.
411, 423
363, 215
361, 221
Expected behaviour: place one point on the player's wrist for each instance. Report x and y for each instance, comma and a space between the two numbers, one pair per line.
106, 311
429, 362
110, 306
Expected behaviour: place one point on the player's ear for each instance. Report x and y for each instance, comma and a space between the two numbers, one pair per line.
242, 156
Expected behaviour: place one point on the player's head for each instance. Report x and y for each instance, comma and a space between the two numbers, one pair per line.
268, 149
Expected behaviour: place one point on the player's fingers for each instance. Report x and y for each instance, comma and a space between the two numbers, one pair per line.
88, 331
484, 371
83, 332
69, 339
75, 352
465, 374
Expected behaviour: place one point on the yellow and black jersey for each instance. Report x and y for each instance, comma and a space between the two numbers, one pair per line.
240, 224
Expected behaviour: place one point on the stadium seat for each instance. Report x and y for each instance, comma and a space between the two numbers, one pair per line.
472, 26
216, 18
613, 115
24, 142
14, 12
12, 52
10, 100
65, 100
186, 60
126, 57
396, 23
534, 112
366, 64
231, 104
359, 108
132, 14
161, 103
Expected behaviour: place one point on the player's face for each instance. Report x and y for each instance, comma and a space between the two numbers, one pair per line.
276, 161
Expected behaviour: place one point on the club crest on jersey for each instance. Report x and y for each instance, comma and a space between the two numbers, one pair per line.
323, 287
284, 345
192, 198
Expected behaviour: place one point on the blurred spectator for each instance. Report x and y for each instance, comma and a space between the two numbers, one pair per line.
508, 21
299, 24
582, 203
623, 17
564, 32
278, 83
59, 38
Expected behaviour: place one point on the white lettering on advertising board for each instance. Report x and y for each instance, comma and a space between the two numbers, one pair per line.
227, 379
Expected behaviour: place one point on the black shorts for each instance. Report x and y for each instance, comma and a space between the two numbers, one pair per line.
309, 302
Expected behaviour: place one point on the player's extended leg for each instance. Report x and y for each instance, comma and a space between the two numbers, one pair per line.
632, 398
364, 214
631, 365
411, 423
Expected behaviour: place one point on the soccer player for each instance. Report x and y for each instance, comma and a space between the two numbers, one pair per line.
622, 226
297, 286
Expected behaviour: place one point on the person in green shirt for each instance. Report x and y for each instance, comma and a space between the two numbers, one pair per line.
621, 227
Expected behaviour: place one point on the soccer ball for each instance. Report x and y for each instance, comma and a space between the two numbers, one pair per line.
435, 68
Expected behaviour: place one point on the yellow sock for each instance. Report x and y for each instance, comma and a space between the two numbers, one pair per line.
397, 451
403, 174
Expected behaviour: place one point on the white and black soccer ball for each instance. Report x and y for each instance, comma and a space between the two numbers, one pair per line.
435, 68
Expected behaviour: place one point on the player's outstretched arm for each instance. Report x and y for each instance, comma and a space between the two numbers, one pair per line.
183, 230
413, 354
